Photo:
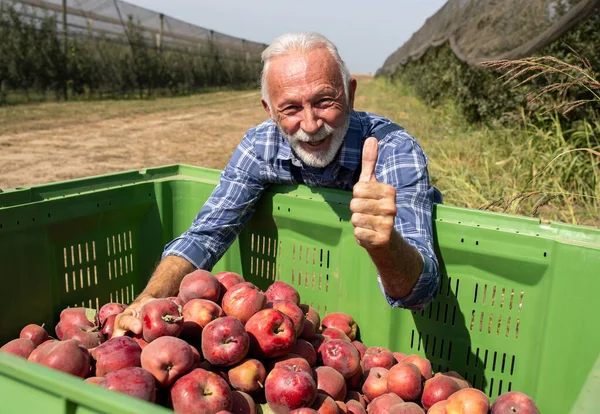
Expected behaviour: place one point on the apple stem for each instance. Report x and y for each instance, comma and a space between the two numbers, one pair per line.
260, 384
171, 318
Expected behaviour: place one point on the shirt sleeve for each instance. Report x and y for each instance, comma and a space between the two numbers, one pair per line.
403, 164
225, 213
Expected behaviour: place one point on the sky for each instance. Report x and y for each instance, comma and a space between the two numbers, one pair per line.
365, 32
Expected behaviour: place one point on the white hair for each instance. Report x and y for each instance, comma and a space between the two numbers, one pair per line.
300, 42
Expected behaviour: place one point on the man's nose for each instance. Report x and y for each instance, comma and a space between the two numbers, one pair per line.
310, 122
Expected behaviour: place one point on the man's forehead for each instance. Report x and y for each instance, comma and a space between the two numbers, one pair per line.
297, 64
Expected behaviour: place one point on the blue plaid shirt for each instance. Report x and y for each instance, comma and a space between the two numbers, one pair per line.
263, 157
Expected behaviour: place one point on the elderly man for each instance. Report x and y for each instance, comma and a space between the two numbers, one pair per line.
315, 137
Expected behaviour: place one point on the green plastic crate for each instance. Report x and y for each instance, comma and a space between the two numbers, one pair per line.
514, 309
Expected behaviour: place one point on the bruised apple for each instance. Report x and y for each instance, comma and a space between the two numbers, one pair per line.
160, 317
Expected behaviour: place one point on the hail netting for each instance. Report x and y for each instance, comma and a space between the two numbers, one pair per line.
480, 30
110, 47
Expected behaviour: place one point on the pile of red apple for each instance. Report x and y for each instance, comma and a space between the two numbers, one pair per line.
223, 345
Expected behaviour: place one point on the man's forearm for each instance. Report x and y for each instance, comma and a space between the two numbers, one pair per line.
399, 265
167, 277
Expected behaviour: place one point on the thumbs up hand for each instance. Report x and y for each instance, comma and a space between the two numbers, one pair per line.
373, 204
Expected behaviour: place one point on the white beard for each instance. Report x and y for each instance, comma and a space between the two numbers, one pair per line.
318, 159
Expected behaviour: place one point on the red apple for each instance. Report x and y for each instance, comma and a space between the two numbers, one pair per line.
167, 358
225, 342
468, 401
79, 316
331, 382
21, 347
176, 300
355, 396
354, 407
90, 337
290, 309
138, 339
324, 404
109, 309
383, 403
304, 410
405, 380
342, 407
376, 383
227, 280
201, 391
288, 387
200, 284
423, 363
514, 402
271, 334
438, 408
96, 380
437, 389
305, 349
362, 348
133, 381
406, 408
312, 322
197, 357
242, 403
115, 354
354, 383
335, 333
341, 321
68, 356
109, 326
36, 333
341, 355
399, 356
462, 383
161, 317
282, 290
243, 300
248, 376
376, 356
201, 312
292, 360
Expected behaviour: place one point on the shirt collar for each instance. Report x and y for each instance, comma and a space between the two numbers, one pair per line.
349, 154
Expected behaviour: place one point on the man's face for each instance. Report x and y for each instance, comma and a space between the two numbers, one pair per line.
308, 104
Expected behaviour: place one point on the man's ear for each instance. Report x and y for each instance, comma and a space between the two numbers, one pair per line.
351, 92
267, 109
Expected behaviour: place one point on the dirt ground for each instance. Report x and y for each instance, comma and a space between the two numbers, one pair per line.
54, 142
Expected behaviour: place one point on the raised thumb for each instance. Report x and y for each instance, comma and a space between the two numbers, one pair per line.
369, 159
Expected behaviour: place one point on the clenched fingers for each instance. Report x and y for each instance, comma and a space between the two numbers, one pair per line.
379, 224
380, 207
373, 190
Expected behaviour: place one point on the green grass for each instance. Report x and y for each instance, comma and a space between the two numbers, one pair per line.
521, 170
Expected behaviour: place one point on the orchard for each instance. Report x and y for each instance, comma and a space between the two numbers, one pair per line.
223, 345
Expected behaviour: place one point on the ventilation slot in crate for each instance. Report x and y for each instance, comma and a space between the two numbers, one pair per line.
264, 251
120, 255
504, 300
80, 266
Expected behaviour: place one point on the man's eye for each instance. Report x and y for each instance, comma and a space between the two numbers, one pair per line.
291, 109
325, 101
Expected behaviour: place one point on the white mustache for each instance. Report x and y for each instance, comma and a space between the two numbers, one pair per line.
320, 135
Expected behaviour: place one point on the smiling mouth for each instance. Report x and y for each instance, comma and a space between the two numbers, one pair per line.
316, 143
